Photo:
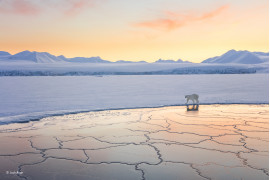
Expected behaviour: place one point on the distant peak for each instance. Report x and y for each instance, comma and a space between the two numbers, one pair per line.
239, 57
4, 53
26, 51
231, 51
164, 61
180, 60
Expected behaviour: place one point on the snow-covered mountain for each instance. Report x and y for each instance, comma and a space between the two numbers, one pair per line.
4, 53
86, 60
28, 63
62, 57
37, 57
123, 61
171, 61
230, 57
263, 55
240, 57
44, 57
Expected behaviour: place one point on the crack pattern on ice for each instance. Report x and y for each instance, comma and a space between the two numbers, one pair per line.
83, 138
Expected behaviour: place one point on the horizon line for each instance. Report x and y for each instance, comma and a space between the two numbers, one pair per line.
187, 61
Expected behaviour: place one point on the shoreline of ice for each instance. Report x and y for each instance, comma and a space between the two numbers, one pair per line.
36, 116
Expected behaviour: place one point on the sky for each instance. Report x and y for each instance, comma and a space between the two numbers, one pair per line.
134, 30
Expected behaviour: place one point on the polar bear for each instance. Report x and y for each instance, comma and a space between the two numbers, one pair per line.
193, 97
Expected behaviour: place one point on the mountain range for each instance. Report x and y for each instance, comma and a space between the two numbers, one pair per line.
230, 57
171, 61
240, 57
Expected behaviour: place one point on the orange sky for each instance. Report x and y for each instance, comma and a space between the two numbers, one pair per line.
134, 30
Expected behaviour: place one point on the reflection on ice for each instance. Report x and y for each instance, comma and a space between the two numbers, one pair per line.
216, 142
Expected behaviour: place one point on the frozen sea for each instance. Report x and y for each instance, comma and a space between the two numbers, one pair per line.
32, 97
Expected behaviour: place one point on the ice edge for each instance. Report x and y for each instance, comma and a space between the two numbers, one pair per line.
27, 119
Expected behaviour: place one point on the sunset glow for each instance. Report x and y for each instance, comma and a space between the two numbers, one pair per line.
134, 30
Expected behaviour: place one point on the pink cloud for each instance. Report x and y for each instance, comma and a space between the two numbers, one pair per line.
213, 13
77, 6
21, 7
163, 24
35, 7
174, 20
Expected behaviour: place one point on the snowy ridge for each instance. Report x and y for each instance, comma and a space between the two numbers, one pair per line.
4, 53
123, 61
171, 61
232, 56
34, 63
37, 57
86, 60
44, 57
240, 57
